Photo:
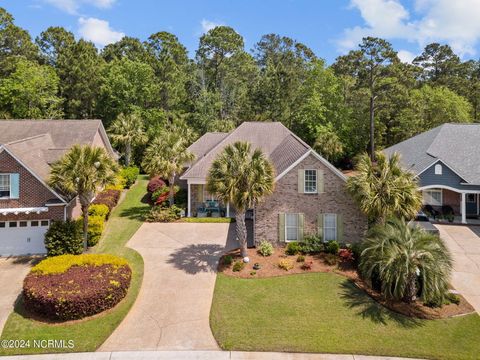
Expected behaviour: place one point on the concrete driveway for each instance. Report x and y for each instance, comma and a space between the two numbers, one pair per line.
12, 272
173, 307
464, 243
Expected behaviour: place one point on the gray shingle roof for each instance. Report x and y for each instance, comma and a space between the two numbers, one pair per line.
273, 138
457, 145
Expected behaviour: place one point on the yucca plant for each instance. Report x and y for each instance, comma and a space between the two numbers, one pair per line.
407, 260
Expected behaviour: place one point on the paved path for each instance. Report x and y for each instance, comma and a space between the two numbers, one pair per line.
173, 307
12, 272
465, 246
197, 355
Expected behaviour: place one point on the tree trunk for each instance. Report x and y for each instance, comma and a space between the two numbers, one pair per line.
85, 226
241, 231
171, 194
411, 289
372, 127
128, 153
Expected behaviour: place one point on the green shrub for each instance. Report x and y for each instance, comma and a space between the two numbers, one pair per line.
285, 264
60, 264
238, 266
307, 265
130, 175
227, 260
357, 251
96, 224
312, 245
64, 238
208, 220
101, 210
163, 214
265, 248
181, 197
453, 298
293, 248
301, 258
119, 184
332, 247
331, 259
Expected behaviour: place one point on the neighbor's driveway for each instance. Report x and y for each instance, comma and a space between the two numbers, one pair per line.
464, 243
12, 272
173, 307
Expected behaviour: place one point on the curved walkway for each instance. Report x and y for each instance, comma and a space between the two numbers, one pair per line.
173, 307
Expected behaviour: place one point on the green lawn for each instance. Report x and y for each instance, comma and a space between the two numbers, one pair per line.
89, 334
324, 312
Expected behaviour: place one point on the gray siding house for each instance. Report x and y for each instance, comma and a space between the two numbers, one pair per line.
446, 160
309, 197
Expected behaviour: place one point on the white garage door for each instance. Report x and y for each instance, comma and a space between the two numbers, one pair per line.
22, 237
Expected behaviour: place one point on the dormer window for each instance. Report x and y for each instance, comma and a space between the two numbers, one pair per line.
438, 169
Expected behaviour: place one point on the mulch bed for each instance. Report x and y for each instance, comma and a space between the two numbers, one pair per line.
79, 292
270, 268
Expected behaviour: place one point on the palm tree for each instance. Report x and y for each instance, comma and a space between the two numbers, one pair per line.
127, 130
406, 259
82, 171
242, 178
166, 157
384, 189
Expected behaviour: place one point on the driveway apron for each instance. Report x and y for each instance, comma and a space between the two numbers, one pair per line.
464, 243
173, 306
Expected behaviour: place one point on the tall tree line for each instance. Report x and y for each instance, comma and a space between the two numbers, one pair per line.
366, 100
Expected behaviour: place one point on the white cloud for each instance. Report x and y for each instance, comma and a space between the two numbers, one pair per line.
208, 25
72, 6
406, 56
454, 22
98, 31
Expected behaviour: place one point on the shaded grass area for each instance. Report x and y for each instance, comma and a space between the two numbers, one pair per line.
324, 312
89, 334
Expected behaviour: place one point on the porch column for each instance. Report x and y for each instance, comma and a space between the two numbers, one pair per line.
228, 210
189, 212
463, 209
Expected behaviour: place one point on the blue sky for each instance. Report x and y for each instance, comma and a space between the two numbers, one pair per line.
329, 27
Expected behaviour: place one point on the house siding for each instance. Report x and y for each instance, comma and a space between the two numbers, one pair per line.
448, 178
32, 193
286, 199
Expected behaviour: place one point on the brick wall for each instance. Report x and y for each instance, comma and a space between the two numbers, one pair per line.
286, 199
32, 193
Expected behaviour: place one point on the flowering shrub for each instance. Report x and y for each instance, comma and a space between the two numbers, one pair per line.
155, 183
345, 254
285, 264
72, 287
108, 197
160, 195
163, 214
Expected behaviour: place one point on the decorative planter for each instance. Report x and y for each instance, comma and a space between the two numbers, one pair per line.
257, 266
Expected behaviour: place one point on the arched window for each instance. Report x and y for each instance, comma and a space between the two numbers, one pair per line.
438, 169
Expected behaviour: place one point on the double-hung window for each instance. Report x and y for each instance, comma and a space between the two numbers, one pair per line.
433, 197
329, 227
310, 185
291, 227
4, 185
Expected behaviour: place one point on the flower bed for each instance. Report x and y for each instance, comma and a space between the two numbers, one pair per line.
69, 287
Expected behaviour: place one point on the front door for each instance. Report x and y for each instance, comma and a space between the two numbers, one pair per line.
472, 204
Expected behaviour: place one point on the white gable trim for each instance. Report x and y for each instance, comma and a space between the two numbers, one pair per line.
444, 163
3, 148
319, 157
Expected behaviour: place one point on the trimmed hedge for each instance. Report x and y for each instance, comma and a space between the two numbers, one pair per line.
108, 197
96, 225
101, 210
208, 220
163, 214
64, 238
130, 175
72, 287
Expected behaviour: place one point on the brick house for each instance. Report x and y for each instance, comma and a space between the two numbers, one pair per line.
27, 203
309, 197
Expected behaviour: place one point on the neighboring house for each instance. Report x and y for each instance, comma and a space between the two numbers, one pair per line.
310, 196
446, 160
27, 203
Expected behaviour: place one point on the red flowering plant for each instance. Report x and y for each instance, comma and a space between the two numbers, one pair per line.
346, 255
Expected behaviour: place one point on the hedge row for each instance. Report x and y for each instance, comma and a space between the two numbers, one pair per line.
72, 287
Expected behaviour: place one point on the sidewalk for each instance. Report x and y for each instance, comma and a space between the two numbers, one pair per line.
195, 355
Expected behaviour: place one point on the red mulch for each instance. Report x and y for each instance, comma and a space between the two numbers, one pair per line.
269, 268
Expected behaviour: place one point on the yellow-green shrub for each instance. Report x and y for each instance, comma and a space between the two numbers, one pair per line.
96, 224
99, 210
60, 264
120, 183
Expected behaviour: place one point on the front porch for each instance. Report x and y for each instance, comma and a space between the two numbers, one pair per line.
203, 204
446, 204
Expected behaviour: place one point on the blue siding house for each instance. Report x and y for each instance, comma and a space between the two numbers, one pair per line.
446, 160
